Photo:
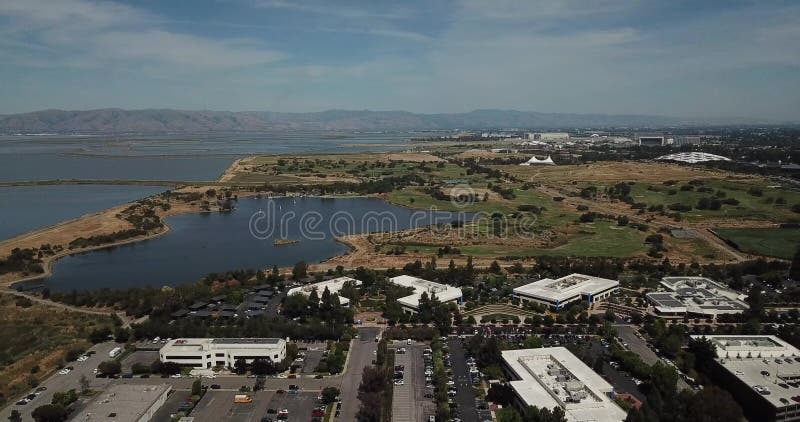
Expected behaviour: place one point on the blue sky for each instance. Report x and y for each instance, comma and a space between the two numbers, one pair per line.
681, 58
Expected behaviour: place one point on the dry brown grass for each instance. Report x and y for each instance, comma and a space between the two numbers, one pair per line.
38, 336
610, 172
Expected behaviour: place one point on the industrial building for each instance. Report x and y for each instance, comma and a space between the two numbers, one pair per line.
761, 372
553, 377
696, 297
410, 303
125, 403
651, 140
565, 290
549, 136
333, 286
221, 352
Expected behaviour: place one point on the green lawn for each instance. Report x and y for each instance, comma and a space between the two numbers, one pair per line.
750, 207
601, 238
775, 242
416, 198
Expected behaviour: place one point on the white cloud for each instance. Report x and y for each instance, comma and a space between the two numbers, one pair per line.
85, 33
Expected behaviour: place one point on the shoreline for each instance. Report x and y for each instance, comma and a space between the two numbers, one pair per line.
9, 279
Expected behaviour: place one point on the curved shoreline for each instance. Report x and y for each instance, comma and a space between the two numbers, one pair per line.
48, 261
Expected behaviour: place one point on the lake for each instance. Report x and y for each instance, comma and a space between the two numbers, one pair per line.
199, 244
26, 208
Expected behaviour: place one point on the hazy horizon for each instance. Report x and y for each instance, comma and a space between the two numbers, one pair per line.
678, 59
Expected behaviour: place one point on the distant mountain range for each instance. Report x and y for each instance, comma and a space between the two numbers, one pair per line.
108, 121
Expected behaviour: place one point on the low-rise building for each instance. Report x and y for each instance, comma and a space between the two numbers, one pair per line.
572, 288
125, 403
761, 372
333, 285
696, 297
211, 352
442, 292
553, 377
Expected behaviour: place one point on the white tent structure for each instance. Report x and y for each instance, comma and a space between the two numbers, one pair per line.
535, 161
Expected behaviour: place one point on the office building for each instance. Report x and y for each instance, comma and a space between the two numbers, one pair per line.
333, 286
221, 352
410, 303
761, 372
125, 403
566, 290
553, 377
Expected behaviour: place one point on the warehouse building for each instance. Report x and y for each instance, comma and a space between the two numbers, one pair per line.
333, 286
125, 403
410, 303
761, 372
221, 352
553, 377
565, 290
695, 297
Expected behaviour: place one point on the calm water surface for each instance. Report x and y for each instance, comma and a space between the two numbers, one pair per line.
25, 208
199, 244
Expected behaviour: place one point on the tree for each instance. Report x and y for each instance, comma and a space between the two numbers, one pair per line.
794, 269
300, 270
713, 404
99, 335
15, 416
240, 366
64, 398
329, 394
197, 387
84, 383
49, 413
109, 367
500, 394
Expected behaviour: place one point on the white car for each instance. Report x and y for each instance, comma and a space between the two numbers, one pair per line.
83, 358
175, 376
64, 371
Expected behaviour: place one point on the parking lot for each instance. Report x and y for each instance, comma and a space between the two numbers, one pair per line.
465, 396
58, 383
219, 406
299, 405
145, 357
409, 403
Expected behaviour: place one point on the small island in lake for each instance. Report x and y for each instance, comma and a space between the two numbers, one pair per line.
279, 242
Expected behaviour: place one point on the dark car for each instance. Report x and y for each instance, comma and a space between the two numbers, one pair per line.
319, 377
144, 376
22, 402
215, 386
40, 389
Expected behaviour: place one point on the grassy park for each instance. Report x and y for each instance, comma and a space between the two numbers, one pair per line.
774, 242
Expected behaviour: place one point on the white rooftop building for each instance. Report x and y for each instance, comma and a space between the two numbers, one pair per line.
696, 296
553, 377
333, 286
410, 303
211, 352
692, 157
762, 373
568, 289
125, 403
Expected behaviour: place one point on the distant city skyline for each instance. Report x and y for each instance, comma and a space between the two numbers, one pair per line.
681, 58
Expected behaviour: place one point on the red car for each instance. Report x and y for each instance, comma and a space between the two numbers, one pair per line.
317, 414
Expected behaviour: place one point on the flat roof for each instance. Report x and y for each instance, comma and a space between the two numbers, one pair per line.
333, 285
128, 401
443, 292
698, 295
198, 344
767, 364
567, 287
554, 377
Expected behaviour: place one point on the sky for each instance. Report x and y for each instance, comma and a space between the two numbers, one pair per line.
714, 58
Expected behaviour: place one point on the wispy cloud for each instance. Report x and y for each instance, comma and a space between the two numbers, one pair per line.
85, 33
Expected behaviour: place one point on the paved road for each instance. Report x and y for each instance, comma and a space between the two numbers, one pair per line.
58, 383
465, 395
635, 344
408, 400
361, 355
